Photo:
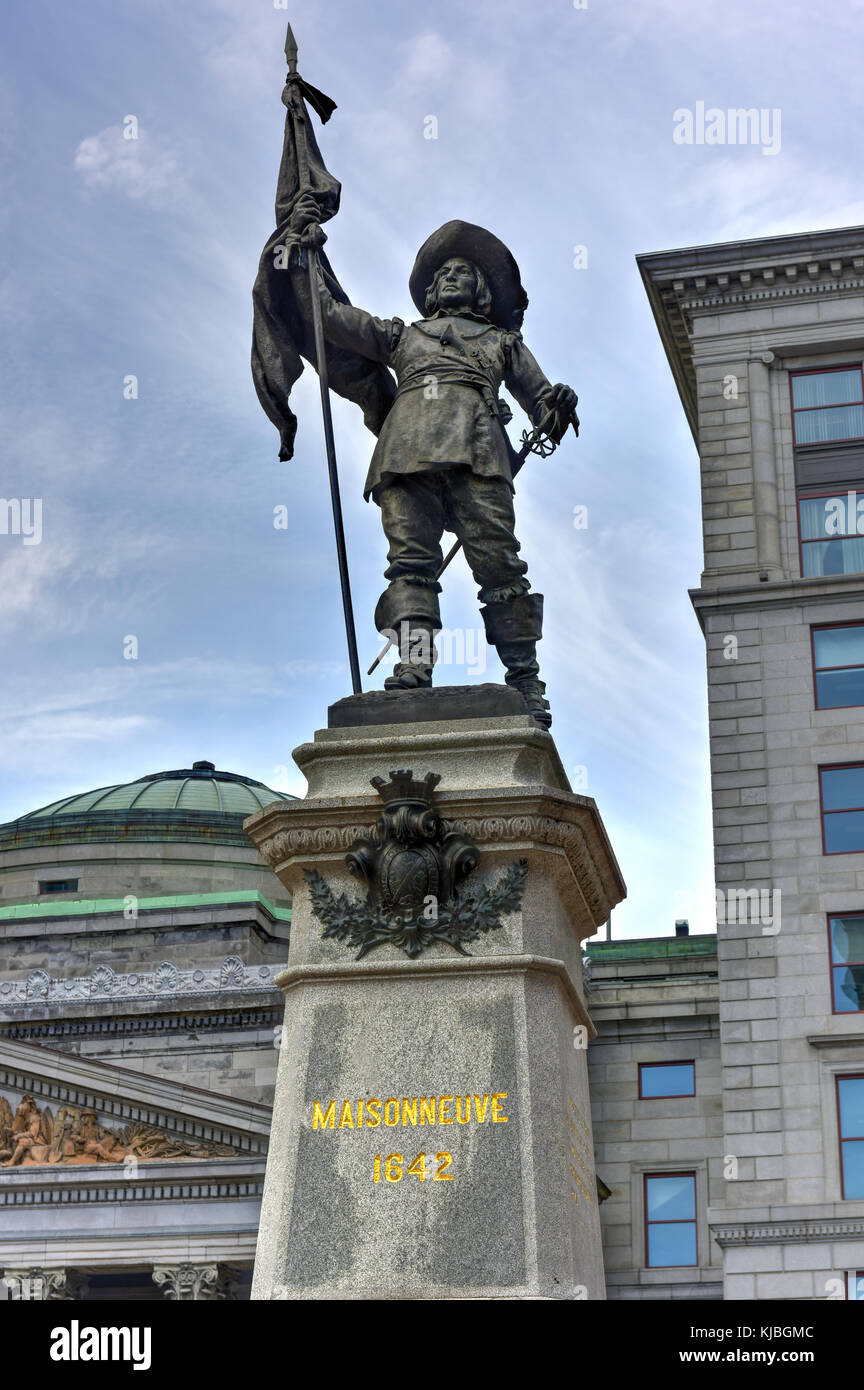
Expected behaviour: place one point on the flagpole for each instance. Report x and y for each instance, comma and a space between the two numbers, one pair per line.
299, 117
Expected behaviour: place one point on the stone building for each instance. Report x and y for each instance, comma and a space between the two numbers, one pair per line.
765, 340
139, 938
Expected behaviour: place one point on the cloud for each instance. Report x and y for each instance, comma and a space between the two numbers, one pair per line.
139, 166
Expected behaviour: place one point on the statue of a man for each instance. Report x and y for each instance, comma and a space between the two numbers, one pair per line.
443, 460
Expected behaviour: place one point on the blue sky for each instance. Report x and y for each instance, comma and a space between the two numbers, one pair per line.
137, 257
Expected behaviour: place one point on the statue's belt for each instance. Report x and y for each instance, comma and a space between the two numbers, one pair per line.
450, 375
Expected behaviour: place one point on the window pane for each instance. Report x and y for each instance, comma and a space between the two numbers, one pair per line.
836, 689
673, 1245
826, 516
842, 787
848, 989
674, 1080
671, 1199
847, 938
851, 1093
838, 646
837, 422
826, 388
844, 832
853, 1168
856, 1285
833, 557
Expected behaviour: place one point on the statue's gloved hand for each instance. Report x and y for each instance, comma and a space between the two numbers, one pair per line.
563, 401
304, 221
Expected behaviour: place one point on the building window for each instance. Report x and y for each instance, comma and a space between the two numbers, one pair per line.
855, 1285
659, 1079
59, 885
831, 542
841, 790
850, 1115
670, 1219
846, 939
827, 405
838, 665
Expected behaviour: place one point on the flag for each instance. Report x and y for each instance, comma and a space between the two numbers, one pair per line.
282, 334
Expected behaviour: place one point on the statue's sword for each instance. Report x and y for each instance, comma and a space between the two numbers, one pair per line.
537, 441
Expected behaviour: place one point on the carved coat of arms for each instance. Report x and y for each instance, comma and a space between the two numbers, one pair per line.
414, 866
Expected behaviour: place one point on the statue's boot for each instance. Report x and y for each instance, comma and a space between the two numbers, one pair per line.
410, 613
514, 627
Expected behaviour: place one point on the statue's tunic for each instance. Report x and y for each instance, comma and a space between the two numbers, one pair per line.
449, 370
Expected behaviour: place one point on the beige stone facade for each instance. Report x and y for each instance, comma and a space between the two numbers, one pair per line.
737, 321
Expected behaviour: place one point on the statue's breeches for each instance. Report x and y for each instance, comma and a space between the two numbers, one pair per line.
416, 508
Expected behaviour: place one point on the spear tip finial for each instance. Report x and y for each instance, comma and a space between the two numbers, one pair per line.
291, 49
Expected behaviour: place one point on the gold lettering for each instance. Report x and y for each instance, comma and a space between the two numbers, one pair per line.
360, 1113
480, 1111
427, 1110
373, 1113
444, 1116
459, 1119
409, 1110
346, 1119
497, 1117
324, 1119
395, 1120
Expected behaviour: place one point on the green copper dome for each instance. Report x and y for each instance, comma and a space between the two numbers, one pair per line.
190, 803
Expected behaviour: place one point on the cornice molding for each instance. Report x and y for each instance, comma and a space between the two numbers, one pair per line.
164, 982
788, 1232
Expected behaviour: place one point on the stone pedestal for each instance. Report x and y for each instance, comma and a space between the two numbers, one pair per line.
432, 1131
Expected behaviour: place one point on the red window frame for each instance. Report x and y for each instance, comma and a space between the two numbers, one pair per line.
678, 1221
668, 1095
832, 967
823, 627
848, 1138
839, 810
837, 405
803, 495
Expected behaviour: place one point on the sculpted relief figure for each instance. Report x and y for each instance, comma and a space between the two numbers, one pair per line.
75, 1137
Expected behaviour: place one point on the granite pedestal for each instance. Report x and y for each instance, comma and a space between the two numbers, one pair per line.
432, 1132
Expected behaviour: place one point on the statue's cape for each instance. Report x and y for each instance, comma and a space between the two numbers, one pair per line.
282, 334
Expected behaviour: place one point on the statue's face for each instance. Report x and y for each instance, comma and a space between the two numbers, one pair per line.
457, 285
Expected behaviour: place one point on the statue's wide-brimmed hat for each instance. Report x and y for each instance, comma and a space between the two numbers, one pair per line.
463, 239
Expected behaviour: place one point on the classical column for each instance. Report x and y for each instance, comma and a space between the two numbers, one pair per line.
189, 1283
38, 1285
431, 1129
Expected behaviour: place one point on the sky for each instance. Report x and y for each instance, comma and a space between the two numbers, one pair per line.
134, 258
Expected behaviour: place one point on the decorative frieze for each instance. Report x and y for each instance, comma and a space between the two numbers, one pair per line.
165, 981
789, 1232
33, 1137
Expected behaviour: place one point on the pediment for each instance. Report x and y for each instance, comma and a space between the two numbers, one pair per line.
60, 1111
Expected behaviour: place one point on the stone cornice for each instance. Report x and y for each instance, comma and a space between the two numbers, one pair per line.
837, 1039
736, 275
787, 1232
125, 1095
441, 966
166, 982
780, 593
495, 818
186, 1180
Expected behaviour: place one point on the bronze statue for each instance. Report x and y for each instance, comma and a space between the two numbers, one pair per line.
443, 460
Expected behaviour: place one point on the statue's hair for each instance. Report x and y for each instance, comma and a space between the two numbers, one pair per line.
482, 292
